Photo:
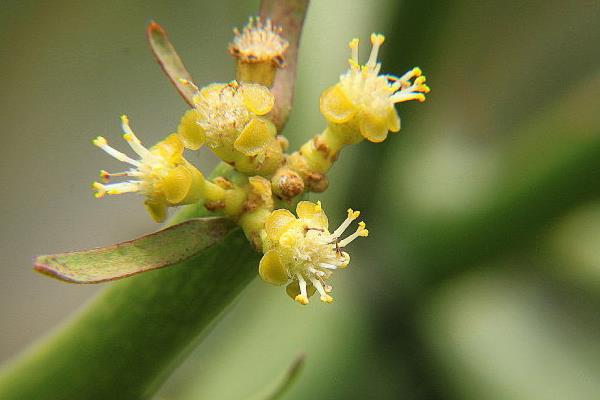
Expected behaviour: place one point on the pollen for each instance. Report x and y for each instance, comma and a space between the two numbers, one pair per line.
302, 252
259, 42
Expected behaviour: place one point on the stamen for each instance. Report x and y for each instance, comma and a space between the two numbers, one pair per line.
327, 266
324, 296
354, 50
103, 144
122, 187
361, 231
376, 41
402, 97
302, 298
106, 176
99, 188
131, 139
352, 215
354, 65
413, 73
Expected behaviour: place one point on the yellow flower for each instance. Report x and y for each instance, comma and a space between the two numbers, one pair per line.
361, 104
229, 118
302, 250
259, 42
161, 173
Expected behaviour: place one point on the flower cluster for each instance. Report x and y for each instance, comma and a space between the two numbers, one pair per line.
303, 251
258, 182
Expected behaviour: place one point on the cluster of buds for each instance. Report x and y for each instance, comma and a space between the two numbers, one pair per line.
258, 182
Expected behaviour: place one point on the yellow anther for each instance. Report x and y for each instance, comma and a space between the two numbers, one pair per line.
318, 208
327, 299
353, 44
124, 119
420, 80
364, 233
353, 214
416, 71
104, 175
377, 39
99, 188
99, 141
128, 137
301, 299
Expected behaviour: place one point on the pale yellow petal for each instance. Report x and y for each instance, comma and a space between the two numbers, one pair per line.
170, 148
278, 222
157, 210
335, 106
312, 212
257, 98
191, 134
393, 120
293, 289
176, 184
271, 269
373, 128
256, 137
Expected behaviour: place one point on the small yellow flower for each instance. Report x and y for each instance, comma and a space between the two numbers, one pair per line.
361, 104
302, 249
259, 42
230, 119
161, 173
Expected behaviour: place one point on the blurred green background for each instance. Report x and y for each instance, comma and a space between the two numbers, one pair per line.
481, 276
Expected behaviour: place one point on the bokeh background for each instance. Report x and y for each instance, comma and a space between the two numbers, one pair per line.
481, 276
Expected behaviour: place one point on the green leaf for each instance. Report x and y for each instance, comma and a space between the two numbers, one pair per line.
130, 338
280, 387
169, 60
290, 16
156, 250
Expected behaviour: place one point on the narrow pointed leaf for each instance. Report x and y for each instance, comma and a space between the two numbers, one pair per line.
160, 249
280, 387
169, 60
290, 16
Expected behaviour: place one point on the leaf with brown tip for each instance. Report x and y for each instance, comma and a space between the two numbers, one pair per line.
169, 60
156, 250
